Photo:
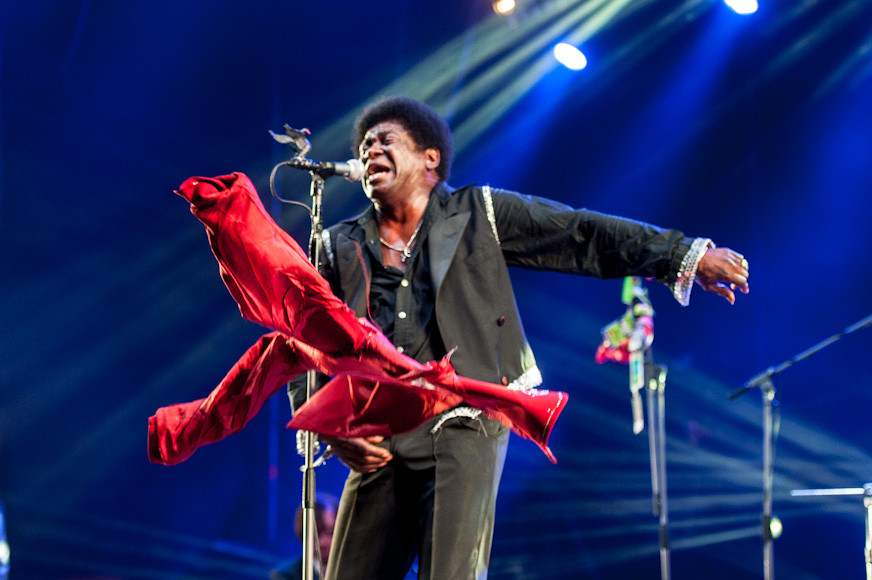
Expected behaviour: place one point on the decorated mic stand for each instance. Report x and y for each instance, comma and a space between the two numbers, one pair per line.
628, 340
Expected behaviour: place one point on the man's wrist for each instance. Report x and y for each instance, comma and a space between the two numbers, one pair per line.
687, 270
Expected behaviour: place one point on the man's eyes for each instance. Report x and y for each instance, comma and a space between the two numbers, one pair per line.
367, 145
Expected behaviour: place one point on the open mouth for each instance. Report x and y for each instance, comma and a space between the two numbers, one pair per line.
376, 169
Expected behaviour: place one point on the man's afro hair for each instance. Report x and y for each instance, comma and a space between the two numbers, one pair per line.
426, 127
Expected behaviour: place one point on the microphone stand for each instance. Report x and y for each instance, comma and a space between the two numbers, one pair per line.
636, 327
866, 492
763, 381
656, 395
307, 443
653, 377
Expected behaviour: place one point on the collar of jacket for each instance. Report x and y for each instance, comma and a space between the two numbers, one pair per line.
447, 224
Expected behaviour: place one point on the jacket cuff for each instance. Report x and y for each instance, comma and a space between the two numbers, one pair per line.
687, 270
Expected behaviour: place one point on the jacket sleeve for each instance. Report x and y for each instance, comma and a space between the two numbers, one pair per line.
541, 234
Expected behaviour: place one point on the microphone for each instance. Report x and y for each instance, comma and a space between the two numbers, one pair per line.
352, 170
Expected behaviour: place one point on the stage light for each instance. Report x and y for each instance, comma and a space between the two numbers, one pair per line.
742, 6
504, 6
775, 527
569, 56
4, 547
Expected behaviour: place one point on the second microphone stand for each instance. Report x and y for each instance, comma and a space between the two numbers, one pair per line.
763, 381
655, 376
866, 492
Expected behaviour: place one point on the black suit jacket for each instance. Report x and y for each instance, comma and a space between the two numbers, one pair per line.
475, 235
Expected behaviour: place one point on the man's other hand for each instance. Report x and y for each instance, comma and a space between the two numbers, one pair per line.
361, 454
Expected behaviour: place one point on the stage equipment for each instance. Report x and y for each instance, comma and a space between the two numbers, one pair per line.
504, 6
742, 7
866, 492
4, 548
352, 170
569, 56
763, 381
307, 442
628, 339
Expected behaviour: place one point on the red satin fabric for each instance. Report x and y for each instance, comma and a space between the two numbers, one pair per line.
375, 390
175, 432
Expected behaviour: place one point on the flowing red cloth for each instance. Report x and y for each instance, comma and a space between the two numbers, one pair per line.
375, 390
175, 432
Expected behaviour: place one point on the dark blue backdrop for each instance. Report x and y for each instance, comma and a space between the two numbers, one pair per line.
753, 131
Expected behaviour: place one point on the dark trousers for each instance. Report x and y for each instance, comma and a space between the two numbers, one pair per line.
434, 500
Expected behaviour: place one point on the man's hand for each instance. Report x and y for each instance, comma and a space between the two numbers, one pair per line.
721, 270
361, 454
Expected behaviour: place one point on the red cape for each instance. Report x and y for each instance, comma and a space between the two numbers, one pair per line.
375, 390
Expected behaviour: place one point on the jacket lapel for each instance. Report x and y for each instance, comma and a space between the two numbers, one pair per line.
443, 240
352, 276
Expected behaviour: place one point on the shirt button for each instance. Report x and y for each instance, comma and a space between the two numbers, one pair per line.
401, 315
401, 350
404, 283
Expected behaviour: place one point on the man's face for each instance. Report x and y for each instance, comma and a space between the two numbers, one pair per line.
394, 162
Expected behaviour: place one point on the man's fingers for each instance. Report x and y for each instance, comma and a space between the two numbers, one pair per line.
721, 290
723, 271
365, 467
726, 293
367, 464
361, 454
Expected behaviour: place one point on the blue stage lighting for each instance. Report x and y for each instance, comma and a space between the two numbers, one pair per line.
569, 56
742, 6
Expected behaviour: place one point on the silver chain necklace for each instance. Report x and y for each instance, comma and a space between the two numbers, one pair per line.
406, 252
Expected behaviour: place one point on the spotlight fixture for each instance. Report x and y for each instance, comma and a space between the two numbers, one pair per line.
776, 527
742, 6
569, 56
504, 6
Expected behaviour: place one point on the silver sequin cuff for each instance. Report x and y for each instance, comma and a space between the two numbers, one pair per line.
470, 412
527, 382
687, 271
531, 379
